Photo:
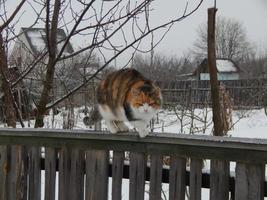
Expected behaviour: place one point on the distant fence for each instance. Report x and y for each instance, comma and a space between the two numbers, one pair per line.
243, 93
83, 160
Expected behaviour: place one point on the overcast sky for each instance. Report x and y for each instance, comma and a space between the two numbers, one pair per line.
251, 13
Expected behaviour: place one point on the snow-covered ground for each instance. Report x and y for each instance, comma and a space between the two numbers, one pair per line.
245, 123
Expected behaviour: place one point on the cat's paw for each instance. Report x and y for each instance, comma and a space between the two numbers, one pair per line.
112, 130
121, 126
143, 133
111, 127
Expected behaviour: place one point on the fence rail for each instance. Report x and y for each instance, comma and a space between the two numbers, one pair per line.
243, 93
84, 162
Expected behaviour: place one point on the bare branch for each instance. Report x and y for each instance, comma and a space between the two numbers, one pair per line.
12, 16
120, 52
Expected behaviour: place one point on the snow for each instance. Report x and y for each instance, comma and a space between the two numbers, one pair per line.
225, 66
246, 123
37, 38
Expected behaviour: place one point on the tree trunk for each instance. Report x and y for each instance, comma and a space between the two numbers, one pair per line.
219, 169
9, 110
52, 49
215, 96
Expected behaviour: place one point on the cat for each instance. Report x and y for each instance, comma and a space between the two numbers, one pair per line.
127, 96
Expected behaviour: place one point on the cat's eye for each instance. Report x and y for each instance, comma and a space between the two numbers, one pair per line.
139, 104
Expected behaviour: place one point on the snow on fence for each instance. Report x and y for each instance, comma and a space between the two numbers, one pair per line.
84, 163
244, 92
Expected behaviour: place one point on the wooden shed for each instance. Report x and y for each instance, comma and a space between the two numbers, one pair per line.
226, 70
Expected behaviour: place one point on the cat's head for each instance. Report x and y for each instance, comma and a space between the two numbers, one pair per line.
146, 98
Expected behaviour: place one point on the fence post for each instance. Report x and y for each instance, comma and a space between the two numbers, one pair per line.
249, 181
3, 171
137, 176
177, 178
34, 173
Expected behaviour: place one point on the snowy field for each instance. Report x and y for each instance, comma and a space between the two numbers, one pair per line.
245, 123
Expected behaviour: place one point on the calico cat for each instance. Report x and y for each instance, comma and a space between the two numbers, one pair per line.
127, 96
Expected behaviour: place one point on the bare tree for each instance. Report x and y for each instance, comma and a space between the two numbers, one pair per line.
162, 67
255, 66
231, 40
98, 23
51, 34
10, 105
104, 30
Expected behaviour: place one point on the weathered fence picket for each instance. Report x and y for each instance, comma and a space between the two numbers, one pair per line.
219, 181
50, 173
177, 178
77, 174
3, 170
155, 177
137, 176
15, 186
195, 179
85, 160
97, 175
34, 173
117, 174
64, 171
249, 181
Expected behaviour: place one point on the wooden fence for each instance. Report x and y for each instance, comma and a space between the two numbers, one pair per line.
83, 161
243, 93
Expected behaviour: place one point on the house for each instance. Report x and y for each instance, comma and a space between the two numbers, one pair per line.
226, 70
30, 44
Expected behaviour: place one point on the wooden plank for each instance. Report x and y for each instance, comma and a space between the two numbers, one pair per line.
77, 175
117, 174
90, 170
155, 177
34, 173
185, 145
137, 176
26, 169
11, 173
177, 178
219, 180
64, 173
249, 181
97, 175
210, 147
16, 177
3, 171
50, 173
195, 179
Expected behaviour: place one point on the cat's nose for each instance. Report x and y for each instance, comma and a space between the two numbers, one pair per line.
145, 110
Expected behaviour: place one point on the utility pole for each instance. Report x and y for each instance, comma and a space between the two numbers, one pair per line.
219, 182
214, 84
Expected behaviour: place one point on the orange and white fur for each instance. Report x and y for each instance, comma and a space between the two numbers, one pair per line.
127, 96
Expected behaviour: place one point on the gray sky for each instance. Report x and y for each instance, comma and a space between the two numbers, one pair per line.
251, 13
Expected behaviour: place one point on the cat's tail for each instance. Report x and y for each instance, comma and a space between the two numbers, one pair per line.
94, 117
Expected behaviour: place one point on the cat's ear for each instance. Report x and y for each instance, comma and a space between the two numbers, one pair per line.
135, 92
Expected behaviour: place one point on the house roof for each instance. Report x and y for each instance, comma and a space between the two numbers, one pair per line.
36, 37
223, 66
